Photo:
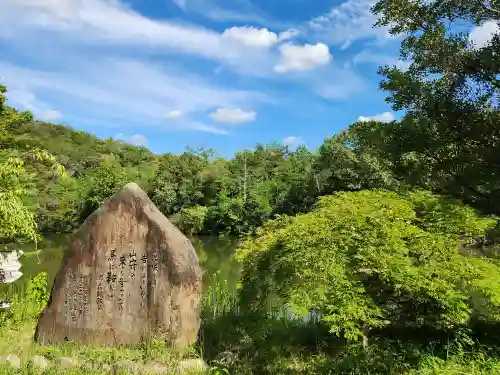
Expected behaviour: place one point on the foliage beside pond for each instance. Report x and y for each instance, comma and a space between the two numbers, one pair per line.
373, 259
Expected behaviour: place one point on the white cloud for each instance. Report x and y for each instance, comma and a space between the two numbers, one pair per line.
95, 88
50, 115
86, 82
251, 36
207, 128
482, 35
28, 101
138, 140
109, 22
217, 10
382, 117
100, 24
173, 114
346, 23
232, 116
293, 141
300, 58
288, 34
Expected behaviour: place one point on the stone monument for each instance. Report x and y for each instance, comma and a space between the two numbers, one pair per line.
129, 275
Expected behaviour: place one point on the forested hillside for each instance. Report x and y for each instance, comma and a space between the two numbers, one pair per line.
204, 193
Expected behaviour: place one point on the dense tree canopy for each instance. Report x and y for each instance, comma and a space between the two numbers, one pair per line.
448, 137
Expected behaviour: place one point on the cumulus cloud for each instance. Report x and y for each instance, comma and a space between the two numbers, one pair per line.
138, 140
300, 58
382, 117
232, 116
288, 34
293, 141
251, 36
482, 35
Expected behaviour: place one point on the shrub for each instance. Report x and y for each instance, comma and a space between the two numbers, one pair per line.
192, 219
372, 259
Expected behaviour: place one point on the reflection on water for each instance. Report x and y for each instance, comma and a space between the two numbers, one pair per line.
214, 253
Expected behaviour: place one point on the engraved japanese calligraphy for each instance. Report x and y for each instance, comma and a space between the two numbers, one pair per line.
144, 277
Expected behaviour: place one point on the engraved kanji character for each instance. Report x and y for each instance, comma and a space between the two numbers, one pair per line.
123, 261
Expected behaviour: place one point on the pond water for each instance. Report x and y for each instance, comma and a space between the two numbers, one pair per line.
214, 253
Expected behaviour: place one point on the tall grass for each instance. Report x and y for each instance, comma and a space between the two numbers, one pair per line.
219, 298
277, 342
17, 328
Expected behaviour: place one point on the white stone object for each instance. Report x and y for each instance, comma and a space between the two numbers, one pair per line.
194, 365
39, 362
10, 266
12, 360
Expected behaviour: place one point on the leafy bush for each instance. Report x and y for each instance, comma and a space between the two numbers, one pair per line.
236, 216
372, 259
37, 291
27, 306
192, 220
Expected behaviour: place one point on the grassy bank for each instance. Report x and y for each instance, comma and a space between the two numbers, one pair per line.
17, 327
250, 344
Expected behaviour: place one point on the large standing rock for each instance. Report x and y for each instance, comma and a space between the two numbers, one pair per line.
129, 275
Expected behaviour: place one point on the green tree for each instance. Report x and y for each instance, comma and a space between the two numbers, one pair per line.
298, 183
448, 138
102, 183
343, 167
16, 218
179, 181
192, 219
373, 259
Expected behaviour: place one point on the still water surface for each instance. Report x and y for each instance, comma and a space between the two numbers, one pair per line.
215, 255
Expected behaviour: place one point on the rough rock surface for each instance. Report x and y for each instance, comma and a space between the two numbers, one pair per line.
67, 362
156, 368
12, 360
127, 367
191, 366
129, 275
39, 362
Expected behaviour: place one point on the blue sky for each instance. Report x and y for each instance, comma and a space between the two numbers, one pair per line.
201, 73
